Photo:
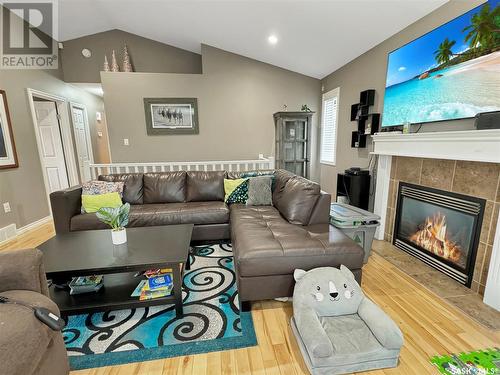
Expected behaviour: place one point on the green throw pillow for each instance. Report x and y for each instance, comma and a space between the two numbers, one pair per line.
236, 191
92, 203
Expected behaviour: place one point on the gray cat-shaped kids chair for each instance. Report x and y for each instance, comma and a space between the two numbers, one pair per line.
338, 329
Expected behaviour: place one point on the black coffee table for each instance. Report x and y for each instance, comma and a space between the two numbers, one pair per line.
92, 253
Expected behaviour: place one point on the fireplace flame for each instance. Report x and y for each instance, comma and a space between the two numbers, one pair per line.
432, 237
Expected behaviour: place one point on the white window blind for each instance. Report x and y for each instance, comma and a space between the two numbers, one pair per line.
329, 127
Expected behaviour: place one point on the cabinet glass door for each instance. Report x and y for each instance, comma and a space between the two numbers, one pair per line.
290, 130
293, 140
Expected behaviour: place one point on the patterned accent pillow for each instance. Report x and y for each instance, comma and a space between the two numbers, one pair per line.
259, 191
101, 187
261, 174
236, 191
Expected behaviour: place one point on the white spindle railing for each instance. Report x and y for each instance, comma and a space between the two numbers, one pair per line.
228, 165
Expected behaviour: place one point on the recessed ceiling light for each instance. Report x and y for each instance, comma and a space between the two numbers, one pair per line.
272, 39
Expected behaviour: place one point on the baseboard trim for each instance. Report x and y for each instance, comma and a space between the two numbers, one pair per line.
33, 225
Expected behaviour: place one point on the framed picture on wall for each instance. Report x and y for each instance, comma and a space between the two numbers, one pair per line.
8, 156
166, 116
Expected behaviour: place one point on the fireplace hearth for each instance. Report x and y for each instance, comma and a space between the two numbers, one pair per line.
440, 228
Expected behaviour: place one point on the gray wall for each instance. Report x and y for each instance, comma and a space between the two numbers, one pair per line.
23, 187
237, 97
368, 72
147, 56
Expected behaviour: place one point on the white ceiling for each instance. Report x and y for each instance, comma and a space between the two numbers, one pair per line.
315, 37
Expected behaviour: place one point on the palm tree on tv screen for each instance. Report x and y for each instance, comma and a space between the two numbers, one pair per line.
444, 53
483, 36
484, 30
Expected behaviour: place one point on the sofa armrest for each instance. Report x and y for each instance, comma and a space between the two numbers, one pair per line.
382, 326
65, 204
321, 211
22, 269
312, 333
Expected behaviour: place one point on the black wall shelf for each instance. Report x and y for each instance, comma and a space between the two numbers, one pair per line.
367, 98
358, 111
368, 123
358, 140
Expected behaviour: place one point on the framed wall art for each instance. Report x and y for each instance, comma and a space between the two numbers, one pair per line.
8, 155
166, 116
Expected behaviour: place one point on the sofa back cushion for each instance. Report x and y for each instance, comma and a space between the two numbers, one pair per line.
297, 200
165, 187
133, 187
205, 186
281, 177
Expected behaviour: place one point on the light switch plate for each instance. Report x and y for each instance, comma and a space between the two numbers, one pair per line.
99, 134
6, 207
125, 142
98, 116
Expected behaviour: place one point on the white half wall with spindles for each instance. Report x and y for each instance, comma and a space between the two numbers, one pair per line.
261, 163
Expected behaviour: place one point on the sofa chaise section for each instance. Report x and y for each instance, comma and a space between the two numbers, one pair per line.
267, 250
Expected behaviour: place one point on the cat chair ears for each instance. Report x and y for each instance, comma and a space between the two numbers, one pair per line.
346, 271
298, 274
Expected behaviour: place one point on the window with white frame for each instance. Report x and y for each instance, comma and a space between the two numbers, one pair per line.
329, 127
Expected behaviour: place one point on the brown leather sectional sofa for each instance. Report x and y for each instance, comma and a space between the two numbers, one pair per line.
269, 242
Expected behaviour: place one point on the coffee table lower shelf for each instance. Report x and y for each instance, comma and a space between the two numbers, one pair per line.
114, 295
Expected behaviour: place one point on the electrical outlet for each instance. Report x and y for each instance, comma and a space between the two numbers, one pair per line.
125, 142
6, 207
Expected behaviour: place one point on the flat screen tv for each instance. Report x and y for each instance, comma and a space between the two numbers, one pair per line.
452, 72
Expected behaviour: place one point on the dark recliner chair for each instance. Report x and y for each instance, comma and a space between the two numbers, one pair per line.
27, 346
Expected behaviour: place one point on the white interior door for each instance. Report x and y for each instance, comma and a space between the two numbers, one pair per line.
51, 152
82, 140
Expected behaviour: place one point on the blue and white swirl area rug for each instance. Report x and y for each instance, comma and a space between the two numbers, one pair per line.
212, 320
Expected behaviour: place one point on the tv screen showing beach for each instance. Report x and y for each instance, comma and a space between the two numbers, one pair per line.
453, 72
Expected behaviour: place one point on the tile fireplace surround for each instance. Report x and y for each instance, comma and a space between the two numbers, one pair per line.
466, 162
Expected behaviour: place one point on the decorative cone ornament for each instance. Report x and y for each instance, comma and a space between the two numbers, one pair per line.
114, 64
105, 67
127, 66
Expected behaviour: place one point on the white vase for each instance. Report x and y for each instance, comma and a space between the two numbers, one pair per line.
119, 236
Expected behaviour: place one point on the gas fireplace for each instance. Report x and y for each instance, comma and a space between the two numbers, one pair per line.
440, 228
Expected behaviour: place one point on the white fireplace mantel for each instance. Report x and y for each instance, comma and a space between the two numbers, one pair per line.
469, 145
473, 145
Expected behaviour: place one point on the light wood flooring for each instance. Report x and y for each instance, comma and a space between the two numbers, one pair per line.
430, 325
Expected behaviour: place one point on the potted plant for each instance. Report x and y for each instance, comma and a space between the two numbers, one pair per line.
116, 218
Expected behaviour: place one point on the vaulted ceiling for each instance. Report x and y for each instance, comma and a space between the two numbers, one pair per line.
314, 37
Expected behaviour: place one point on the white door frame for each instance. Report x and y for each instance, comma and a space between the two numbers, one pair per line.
87, 129
66, 136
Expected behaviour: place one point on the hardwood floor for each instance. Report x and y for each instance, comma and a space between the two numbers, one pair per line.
430, 325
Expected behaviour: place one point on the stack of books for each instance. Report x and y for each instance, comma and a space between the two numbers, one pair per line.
86, 284
158, 283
